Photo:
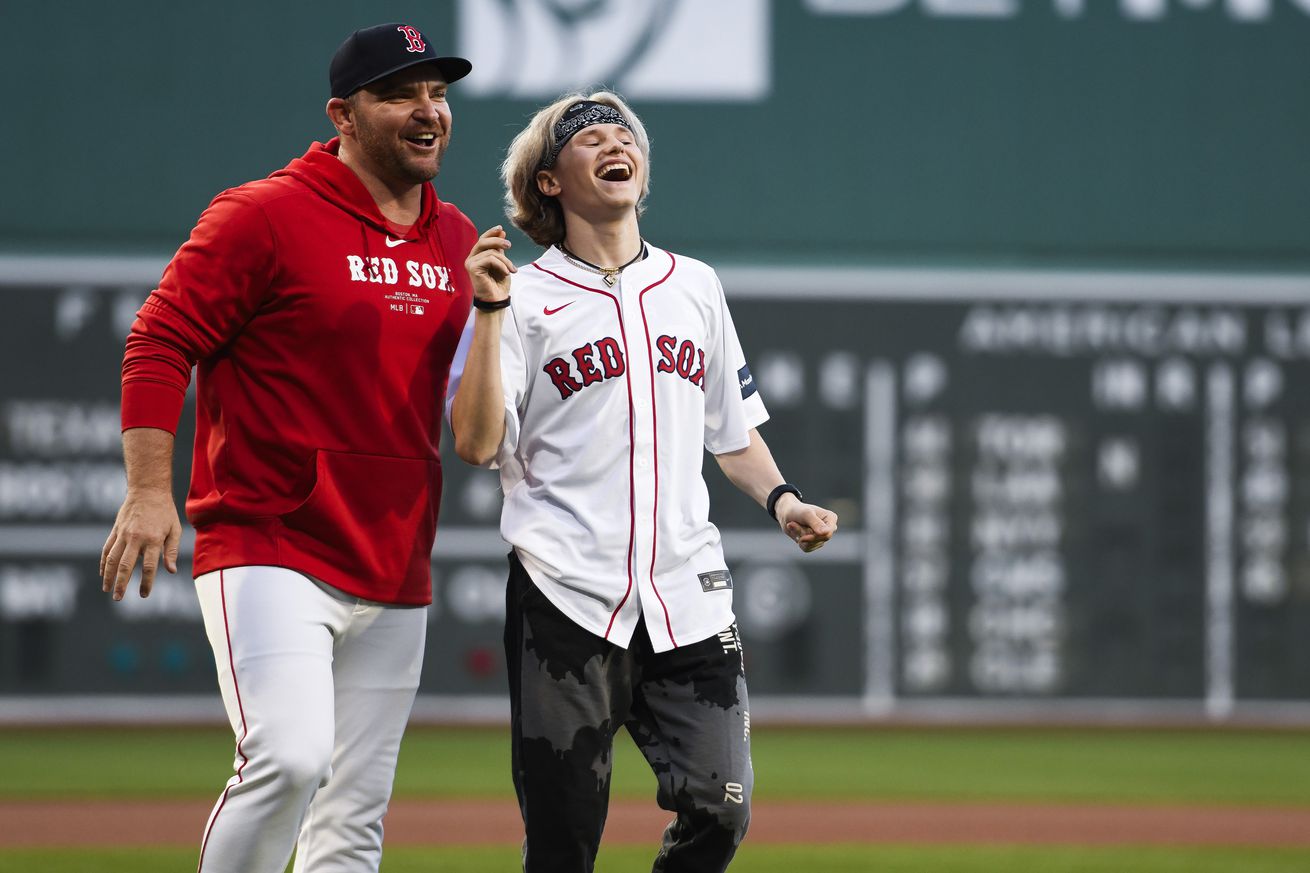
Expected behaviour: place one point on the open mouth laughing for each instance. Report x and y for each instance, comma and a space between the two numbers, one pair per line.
423, 140
614, 171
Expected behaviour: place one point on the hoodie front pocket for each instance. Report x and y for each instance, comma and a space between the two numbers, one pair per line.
372, 516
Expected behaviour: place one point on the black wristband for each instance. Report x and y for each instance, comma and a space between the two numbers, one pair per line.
490, 305
784, 488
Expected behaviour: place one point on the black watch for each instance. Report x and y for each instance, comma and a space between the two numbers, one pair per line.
784, 488
490, 305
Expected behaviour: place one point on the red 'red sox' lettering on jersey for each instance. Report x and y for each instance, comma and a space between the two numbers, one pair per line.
604, 351
687, 361
385, 271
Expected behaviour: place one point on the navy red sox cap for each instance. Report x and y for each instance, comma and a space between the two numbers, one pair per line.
376, 52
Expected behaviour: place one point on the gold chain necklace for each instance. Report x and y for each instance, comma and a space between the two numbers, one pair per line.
609, 274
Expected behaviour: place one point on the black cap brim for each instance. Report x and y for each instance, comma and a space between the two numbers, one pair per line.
452, 69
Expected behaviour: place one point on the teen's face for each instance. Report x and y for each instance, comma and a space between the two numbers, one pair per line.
599, 172
402, 125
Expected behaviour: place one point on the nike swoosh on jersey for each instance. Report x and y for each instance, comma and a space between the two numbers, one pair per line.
546, 310
392, 243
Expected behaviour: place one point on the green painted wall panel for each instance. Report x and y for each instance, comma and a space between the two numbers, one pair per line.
903, 136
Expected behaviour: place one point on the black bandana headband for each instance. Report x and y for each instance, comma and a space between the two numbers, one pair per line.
582, 114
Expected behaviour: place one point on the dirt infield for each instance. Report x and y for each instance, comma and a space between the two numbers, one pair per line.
423, 822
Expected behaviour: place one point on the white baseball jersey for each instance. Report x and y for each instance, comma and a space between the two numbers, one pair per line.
611, 396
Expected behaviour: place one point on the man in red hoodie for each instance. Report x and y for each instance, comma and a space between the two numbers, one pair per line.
321, 307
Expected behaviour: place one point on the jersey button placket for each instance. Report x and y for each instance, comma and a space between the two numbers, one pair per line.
643, 434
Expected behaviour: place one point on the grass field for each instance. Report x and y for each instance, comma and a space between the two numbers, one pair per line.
1157, 767
767, 859
1116, 766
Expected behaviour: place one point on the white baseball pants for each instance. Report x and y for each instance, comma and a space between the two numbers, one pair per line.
318, 686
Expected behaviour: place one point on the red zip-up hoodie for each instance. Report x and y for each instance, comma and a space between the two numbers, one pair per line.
322, 344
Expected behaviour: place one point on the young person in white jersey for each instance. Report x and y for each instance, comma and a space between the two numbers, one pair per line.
595, 378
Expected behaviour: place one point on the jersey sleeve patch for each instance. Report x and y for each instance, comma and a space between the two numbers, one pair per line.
715, 580
746, 381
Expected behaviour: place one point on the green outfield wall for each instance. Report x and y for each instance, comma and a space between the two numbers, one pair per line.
1025, 284
821, 131
1066, 495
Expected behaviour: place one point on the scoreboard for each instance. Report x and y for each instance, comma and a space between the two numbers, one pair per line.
1061, 493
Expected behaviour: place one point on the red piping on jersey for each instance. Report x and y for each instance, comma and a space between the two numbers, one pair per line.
245, 730
632, 479
655, 442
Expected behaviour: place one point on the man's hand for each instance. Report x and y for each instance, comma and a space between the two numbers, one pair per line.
489, 267
808, 525
147, 528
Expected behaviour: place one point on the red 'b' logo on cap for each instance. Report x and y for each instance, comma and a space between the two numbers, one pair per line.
415, 38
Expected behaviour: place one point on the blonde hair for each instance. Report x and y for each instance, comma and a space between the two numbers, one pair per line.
534, 213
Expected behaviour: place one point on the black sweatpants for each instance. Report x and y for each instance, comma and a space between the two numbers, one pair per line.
686, 709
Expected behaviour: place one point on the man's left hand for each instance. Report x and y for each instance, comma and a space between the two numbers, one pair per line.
808, 525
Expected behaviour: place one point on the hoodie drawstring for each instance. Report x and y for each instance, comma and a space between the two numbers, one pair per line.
368, 253
439, 253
